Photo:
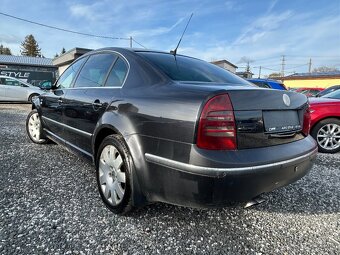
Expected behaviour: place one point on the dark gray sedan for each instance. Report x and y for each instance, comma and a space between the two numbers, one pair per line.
175, 129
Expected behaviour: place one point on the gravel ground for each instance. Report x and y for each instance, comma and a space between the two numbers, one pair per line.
49, 204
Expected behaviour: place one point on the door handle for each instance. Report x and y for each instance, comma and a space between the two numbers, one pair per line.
60, 100
96, 104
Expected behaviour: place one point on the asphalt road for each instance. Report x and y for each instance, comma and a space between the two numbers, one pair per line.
49, 204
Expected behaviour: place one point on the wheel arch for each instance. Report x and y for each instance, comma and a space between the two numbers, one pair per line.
321, 119
138, 197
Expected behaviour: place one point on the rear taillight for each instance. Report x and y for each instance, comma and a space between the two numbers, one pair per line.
216, 128
306, 121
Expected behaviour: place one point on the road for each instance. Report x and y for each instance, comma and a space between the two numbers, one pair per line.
49, 204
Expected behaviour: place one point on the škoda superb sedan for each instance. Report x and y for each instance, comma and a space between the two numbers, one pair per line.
175, 129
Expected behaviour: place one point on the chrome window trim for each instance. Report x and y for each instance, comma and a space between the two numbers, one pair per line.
67, 126
101, 87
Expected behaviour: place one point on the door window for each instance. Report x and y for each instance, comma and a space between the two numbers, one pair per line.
11, 82
117, 74
65, 80
94, 72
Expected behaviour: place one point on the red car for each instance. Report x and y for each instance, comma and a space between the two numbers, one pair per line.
325, 121
309, 92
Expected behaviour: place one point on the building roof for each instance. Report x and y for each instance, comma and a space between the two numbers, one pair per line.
223, 61
69, 56
318, 75
25, 60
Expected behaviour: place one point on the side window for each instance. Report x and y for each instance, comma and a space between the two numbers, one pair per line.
117, 74
65, 80
11, 82
95, 70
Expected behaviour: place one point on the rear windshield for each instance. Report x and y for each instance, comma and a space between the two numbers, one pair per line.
181, 68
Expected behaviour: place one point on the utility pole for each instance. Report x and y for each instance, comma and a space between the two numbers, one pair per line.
310, 65
248, 66
260, 72
283, 66
130, 41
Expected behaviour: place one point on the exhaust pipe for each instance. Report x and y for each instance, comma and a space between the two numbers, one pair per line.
255, 201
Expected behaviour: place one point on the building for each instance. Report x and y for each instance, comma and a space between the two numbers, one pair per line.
29, 69
226, 65
64, 60
245, 74
316, 80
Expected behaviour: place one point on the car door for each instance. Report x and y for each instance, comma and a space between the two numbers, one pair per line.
52, 102
15, 90
89, 98
3, 88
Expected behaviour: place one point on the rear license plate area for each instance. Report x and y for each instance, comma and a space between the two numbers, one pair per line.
281, 121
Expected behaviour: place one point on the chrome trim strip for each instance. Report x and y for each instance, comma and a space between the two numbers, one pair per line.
220, 172
70, 144
67, 126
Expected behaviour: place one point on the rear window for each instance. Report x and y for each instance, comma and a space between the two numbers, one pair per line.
181, 68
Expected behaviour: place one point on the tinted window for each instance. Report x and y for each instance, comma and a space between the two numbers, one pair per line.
117, 74
261, 84
335, 94
65, 80
181, 68
94, 71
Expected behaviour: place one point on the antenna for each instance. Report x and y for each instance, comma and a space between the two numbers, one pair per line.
174, 52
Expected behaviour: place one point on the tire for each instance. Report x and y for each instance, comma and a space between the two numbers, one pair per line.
113, 172
34, 128
30, 98
327, 135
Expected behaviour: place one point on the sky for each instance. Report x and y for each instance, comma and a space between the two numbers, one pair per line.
239, 31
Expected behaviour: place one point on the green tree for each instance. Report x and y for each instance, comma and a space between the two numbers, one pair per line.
5, 50
30, 47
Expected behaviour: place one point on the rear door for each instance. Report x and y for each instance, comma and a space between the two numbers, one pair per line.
86, 102
52, 102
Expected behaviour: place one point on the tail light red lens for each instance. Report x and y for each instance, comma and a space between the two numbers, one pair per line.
306, 122
216, 129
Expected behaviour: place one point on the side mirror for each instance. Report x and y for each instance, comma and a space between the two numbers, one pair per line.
46, 85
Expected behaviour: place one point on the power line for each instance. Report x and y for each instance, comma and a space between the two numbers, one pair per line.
138, 43
63, 29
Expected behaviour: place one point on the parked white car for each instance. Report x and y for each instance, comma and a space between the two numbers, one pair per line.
12, 89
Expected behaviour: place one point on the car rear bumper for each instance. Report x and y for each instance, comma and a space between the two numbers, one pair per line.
198, 185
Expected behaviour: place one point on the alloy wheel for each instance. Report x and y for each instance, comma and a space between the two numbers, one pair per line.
112, 175
328, 136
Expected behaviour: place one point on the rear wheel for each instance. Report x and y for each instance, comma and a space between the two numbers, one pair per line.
327, 135
34, 128
113, 174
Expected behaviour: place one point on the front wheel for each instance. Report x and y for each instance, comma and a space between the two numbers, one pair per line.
327, 135
34, 128
114, 174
